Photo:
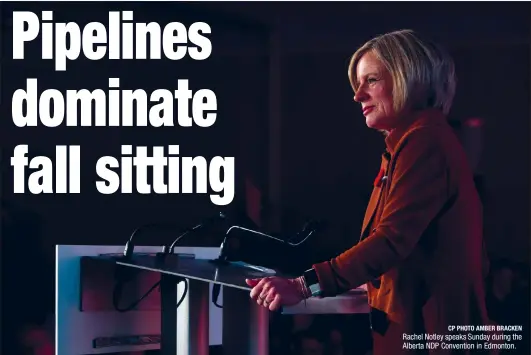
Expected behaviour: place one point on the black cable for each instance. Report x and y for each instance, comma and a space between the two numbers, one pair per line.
118, 285
117, 293
184, 293
216, 289
128, 253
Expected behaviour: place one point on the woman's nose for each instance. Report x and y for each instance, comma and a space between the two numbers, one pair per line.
360, 96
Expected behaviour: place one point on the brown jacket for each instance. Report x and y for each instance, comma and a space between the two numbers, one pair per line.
421, 249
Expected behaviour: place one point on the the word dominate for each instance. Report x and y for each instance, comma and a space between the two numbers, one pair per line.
113, 108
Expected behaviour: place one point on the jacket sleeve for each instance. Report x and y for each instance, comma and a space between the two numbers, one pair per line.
419, 189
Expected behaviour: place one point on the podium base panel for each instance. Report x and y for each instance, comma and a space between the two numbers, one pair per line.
245, 324
185, 329
192, 318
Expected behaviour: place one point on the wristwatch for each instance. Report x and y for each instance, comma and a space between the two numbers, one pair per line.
312, 282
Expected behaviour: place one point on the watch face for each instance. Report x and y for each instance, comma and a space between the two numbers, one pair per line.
310, 276
314, 288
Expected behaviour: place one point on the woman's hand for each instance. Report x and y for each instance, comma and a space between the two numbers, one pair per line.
275, 292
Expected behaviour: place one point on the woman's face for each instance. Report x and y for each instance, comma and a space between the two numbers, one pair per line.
375, 93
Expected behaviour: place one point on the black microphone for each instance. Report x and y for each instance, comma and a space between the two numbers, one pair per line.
252, 245
205, 224
309, 228
130, 245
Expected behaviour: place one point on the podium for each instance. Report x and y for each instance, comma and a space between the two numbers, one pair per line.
185, 330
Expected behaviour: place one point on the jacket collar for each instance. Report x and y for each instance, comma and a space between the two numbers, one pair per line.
429, 117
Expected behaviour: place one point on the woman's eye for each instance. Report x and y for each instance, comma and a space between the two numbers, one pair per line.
371, 80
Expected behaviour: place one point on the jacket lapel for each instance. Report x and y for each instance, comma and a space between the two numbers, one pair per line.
375, 198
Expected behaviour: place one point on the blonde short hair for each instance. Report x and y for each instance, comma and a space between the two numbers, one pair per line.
423, 73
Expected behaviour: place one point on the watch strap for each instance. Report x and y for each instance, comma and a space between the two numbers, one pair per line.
312, 282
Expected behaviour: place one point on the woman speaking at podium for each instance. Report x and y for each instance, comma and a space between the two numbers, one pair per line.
421, 248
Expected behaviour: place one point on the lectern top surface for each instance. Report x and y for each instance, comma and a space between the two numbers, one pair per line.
199, 269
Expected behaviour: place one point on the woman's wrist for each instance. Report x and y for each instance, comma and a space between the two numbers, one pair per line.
303, 289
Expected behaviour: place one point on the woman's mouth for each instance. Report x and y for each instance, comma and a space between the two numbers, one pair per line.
367, 110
